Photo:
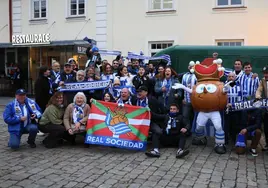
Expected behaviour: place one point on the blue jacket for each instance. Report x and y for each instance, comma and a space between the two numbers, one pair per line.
13, 120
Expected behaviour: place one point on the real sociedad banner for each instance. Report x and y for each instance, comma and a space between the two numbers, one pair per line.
110, 124
83, 86
250, 104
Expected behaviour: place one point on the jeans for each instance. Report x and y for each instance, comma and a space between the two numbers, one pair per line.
14, 139
265, 126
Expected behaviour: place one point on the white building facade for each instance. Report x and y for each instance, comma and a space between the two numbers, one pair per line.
151, 25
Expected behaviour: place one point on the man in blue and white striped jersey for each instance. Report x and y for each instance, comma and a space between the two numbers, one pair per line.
232, 119
249, 82
188, 80
234, 93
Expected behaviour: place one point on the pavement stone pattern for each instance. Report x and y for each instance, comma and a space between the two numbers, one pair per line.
104, 167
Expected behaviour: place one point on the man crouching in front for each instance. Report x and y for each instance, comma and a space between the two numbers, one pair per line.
20, 115
250, 130
174, 131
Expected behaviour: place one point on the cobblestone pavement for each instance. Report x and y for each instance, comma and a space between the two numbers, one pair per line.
76, 166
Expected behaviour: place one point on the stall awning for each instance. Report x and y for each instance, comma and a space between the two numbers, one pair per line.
53, 43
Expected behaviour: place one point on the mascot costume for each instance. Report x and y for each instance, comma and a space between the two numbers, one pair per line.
208, 97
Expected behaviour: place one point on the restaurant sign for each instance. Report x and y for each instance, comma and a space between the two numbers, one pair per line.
81, 50
31, 39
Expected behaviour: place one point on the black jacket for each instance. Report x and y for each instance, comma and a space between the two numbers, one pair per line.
251, 120
66, 79
141, 81
42, 89
181, 122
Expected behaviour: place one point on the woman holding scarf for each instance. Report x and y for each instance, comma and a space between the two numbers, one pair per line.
164, 91
76, 115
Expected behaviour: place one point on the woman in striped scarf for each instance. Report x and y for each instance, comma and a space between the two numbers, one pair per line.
164, 91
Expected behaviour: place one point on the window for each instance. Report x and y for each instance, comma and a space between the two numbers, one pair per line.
76, 8
39, 9
161, 4
229, 3
230, 42
155, 47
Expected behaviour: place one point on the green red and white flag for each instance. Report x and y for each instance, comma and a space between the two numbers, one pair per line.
110, 124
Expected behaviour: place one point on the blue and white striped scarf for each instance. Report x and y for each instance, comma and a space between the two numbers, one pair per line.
165, 57
120, 101
167, 84
143, 103
188, 80
78, 113
31, 109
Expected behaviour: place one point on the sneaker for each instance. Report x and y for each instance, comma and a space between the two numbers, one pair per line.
253, 152
220, 148
152, 153
181, 153
31, 144
40, 133
265, 148
199, 141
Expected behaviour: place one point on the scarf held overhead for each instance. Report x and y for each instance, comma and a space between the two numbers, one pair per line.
83, 86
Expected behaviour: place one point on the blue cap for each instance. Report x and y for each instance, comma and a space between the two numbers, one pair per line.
20, 92
95, 49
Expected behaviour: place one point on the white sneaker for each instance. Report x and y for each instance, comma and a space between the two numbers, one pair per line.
253, 152
40, 133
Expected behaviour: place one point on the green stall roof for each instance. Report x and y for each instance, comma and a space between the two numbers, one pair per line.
182, 55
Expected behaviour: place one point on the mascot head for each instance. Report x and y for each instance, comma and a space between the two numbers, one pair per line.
209, 69
207, 95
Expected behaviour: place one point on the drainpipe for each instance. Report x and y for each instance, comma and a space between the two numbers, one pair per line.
10, 21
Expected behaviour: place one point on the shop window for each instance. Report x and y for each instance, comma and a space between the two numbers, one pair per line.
155, 47
229, 3
39, 9
76, 8
229, 42
155, 5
